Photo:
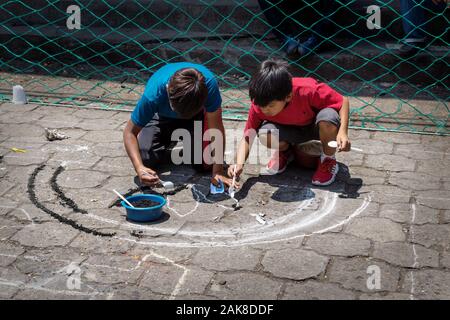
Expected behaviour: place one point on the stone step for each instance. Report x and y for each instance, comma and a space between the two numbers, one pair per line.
223, 16
107, 55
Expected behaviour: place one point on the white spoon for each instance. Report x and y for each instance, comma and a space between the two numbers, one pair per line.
333, 144
121, 197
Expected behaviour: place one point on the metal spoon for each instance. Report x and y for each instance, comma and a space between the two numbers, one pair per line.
168, 185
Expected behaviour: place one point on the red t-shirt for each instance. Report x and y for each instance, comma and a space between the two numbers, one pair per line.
308, 98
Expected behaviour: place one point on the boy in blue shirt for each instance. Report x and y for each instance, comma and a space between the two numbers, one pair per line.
178, 96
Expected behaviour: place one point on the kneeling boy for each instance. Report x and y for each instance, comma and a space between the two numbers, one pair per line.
176, 97
292, 111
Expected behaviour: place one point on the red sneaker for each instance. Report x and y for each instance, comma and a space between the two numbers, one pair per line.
326, 172
279, 162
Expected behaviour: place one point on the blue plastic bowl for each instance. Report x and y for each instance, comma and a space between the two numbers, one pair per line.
144, 214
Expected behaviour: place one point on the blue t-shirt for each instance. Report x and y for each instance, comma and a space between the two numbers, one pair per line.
156, 100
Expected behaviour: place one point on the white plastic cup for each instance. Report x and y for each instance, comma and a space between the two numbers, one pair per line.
19, 96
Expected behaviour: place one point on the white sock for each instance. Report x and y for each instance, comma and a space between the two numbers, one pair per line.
323, 156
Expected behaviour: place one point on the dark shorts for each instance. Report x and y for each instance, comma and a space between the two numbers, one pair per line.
301, 134
155, 140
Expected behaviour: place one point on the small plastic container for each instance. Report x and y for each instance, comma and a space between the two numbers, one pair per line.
144, 214
19, 96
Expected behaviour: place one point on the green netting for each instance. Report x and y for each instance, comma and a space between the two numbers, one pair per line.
106, 63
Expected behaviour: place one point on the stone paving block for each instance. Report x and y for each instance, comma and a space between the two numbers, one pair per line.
434, 167
9, 253
95, 124
81, 179
23, 108
110, 149
195, 282
352, 273
222, 258
377, 229
419, 152
446, 216
445, 259
438, 199
431, 235
245, 286
7, 291
45, 235
61, 122
373, 146
406, 255
350, 158
112, 269
338, 244
390, 162
25, 159
120, 166
90, 243
18, 117
415, 181
93, 114
403, 213
164, 254
296, 264
90, 198
428, 284
10, 282
129, 292
9, 227
314, 290
103, 136
12, 276
162, 279
400, 138
52, 110
386, 194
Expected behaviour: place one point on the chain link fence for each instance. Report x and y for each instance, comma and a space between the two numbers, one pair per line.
99, 54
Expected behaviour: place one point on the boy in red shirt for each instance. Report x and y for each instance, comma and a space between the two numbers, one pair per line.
286, 112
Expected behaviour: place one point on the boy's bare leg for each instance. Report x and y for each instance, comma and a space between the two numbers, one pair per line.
327, 132
266, 139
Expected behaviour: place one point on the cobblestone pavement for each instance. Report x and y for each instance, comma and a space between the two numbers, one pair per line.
61, 236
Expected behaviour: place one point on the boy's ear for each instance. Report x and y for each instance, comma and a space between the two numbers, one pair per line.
289, 97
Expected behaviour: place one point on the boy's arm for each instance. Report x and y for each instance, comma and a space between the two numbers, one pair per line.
214, 120
130, 141
241, 155
342, 136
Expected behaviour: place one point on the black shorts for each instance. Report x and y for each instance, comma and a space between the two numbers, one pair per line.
155, 140
301, 134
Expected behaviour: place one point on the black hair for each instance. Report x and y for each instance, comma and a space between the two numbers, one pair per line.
187, 92
272, 82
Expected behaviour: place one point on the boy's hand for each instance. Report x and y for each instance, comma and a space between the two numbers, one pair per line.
343, 142
231, 170
226, 181
147, 176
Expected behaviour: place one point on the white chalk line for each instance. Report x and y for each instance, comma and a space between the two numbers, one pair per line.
356, 213
415, 264
245, 231
20, 209
40, 285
